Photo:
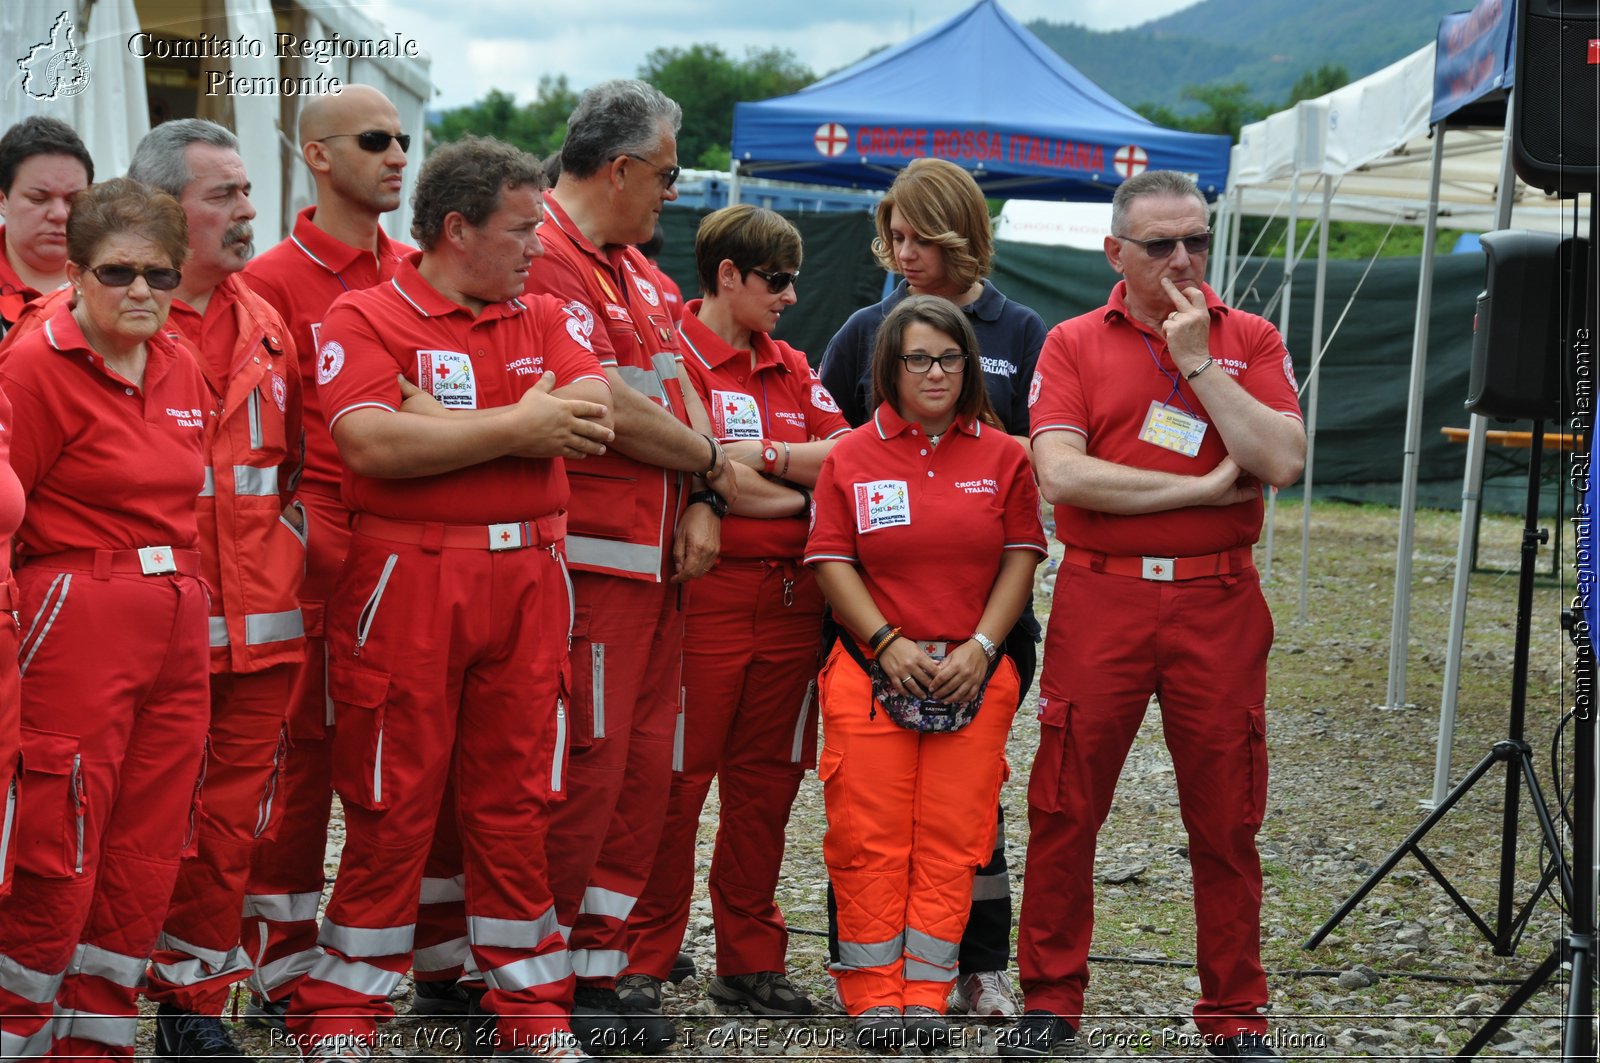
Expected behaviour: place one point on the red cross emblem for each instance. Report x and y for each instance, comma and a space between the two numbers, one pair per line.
442, 371
877, 496
1594, 51
1130, 160
505, 536
830, 139
731, 408
158, 557
327, 362
1158, 569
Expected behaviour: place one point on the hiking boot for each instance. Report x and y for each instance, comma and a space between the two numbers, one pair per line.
559, 1047
439, 998
184, 1034
682, 967
649, 1031
984, 995
1038, 1035
764, 993
597, 1020
1242, 1046
880, 1030
260, 1013
926, 1028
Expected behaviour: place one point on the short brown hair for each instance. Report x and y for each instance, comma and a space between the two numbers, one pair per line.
948, 318
944, 205
467, 177
123, 205
748, 236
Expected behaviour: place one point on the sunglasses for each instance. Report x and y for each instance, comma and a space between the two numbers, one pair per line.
160, 278
778, 281
1195, 244
375, 140
669, 176
951, 363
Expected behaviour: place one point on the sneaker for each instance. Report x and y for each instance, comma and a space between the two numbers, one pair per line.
649, 1031
181, 1034
1038, 1035
261, 1013
559, 1046
765, 993
926, 1028
682, 967
984, 995
597, 1020
1242, 1046
879, 1030
439, 998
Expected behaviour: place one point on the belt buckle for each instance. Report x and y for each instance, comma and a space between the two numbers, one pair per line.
157, 561
506, 537
937, 650
1157, 568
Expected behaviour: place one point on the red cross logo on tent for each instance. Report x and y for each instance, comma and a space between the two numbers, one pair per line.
1130, 160
831, 139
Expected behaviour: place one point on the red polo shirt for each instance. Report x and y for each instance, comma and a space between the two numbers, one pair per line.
780, 399
14, 293
301, 277
926, 526
466, 362
105, 465
1097, 376
12, 497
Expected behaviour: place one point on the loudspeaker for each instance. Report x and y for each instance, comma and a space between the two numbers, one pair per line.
1519, 334
1555, 107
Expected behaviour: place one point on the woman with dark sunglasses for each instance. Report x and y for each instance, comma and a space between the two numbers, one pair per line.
109, 417
752, 629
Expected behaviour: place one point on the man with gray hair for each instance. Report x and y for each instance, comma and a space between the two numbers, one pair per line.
642, 518
1155, 421
253, 557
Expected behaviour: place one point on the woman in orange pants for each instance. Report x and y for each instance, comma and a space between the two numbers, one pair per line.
925, 538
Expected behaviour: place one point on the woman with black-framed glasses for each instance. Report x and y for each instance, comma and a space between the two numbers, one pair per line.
109, 417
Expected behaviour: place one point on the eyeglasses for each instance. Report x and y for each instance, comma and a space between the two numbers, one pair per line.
160, 278
668, 177
374, 140
951, 363
778, 281
1195, 244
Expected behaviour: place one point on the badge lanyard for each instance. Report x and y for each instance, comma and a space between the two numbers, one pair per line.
1174, 380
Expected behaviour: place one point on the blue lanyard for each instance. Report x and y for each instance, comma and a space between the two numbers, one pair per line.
1174, 380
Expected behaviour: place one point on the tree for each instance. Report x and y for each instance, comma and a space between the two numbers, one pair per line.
539, 127
706, 83
1319, 82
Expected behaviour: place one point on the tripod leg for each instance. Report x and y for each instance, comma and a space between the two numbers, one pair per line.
1552, 837
1578, 1040
1513, 1004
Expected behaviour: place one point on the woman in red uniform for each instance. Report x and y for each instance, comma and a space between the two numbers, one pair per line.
11, 507
109, 418
925, 539
752, 629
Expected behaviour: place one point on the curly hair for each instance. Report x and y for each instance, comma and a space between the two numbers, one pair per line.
123, 205
467, 177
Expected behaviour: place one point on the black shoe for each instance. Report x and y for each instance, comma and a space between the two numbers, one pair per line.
764, 993
1037, 1035
926, 1028
879, 1030
682, 967
263, 1014
597, 1021
1242, 1046
479, 1036
649, 1031
439, 998
183, 1035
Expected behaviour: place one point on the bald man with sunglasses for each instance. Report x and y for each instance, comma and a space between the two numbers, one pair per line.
1156, 419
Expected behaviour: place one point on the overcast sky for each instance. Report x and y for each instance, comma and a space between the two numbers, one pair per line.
477, 45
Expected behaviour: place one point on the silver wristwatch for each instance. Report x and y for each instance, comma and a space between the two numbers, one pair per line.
990, 650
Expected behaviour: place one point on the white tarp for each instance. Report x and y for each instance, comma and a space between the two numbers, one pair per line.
1033, 221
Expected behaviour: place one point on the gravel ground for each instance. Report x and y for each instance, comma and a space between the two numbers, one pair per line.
1406, 975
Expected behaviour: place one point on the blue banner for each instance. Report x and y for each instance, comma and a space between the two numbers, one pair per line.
1474, 56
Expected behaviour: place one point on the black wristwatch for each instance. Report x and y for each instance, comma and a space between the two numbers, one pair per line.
718, 504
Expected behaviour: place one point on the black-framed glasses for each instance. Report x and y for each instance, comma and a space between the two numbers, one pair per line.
778, 280
160, 278
952, 363
374, 140
1194, 243
668, 176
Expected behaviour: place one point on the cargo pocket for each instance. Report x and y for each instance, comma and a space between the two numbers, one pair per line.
8, 817
266, 824
586, 712
840, 845
803, 748
191, 837
1044, 783
51, 833
1258, 765
359, 698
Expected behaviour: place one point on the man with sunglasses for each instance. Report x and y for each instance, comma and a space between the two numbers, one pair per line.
1155, 420
642, 519
252, 554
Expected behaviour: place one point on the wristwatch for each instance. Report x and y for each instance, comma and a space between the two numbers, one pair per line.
718, 504
769, 456
990, 650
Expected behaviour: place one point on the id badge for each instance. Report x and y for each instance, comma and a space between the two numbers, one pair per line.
1173, 429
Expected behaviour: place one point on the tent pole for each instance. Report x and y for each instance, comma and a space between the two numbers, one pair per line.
1400, 623
1311, 403
1471, 503
733, 183
1219, 263
1232, 272
1283, 326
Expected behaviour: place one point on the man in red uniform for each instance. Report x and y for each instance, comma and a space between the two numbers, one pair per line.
447, 641
618, 166
352, 144
42, 164
252, 553
1156, 418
